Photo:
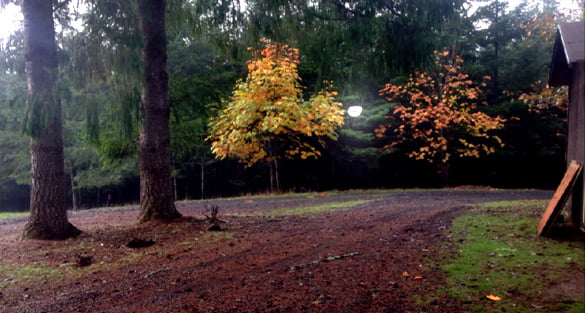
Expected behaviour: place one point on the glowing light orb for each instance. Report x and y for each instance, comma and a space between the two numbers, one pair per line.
354, 110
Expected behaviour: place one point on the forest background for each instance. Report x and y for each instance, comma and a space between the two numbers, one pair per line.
359, 46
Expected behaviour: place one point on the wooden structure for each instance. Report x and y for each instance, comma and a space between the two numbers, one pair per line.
559, 198
568, 68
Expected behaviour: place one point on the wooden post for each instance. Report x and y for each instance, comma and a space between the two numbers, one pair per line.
560, 197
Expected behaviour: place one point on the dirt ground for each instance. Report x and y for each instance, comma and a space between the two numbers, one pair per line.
372, 256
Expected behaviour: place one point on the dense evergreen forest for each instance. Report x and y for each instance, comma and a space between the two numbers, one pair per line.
361, 52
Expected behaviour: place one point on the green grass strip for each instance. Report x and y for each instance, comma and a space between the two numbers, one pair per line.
12, 214
305, 210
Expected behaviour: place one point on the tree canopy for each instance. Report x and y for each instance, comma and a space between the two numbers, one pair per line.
358, 45
267, 118
437, 116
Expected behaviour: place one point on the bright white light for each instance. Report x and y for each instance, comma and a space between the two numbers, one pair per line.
10, 20
571, 7
354, 110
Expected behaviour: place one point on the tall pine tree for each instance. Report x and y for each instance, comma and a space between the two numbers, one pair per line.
156, 189
48, 215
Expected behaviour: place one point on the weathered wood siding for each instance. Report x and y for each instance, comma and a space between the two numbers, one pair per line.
568, 68
576, 137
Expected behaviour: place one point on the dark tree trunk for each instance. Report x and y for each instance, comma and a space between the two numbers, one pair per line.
271, 174
276, 175
202, 167
74, 203
273, 167
175, 191
156, 189
444, 173
48, 214
495, 78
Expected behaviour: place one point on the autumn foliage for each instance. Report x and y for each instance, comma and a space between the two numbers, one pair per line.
546, 98
267, 119
437, 117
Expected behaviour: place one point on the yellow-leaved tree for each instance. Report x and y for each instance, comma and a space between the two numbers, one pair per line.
266, 118
436, 118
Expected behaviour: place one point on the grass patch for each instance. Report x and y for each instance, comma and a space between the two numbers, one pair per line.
326, 207
27, 274
516, 205
351, 192
12, 214
215, 236
498, 252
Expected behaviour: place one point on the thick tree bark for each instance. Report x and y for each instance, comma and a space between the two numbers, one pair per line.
156, 189
48, 214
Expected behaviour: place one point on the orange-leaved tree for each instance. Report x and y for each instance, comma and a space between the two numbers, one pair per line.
437, 119
267, 119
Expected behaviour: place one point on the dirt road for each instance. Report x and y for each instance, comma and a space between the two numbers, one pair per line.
348, 252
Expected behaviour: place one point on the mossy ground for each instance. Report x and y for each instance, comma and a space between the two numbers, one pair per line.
498, 252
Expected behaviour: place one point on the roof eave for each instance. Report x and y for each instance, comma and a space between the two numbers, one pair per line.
559, 66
